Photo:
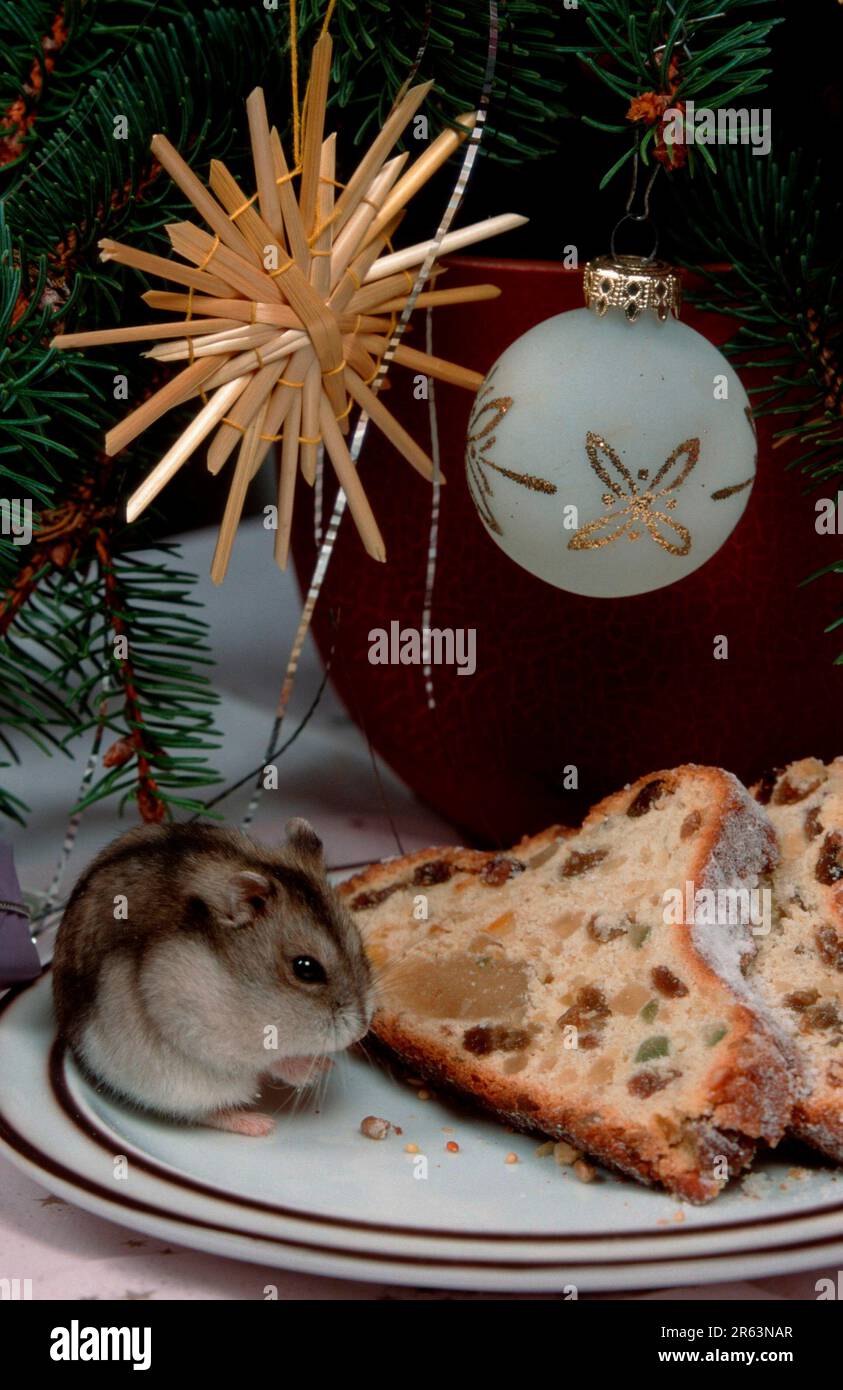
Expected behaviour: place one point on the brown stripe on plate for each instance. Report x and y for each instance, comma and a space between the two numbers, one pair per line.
61, 1092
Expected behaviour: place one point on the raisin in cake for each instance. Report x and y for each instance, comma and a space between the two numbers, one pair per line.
799, 967
547, 984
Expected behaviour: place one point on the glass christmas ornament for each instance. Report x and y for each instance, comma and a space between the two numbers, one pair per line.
611, 450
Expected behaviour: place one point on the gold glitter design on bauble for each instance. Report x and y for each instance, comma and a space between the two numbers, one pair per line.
639, 513
487, 414
723, 492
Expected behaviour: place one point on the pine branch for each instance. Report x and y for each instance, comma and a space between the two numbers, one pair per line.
656, 55
164, 717
73, 75
771, 227
378, 42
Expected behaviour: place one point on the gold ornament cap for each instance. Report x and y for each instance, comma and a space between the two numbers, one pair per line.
633, 285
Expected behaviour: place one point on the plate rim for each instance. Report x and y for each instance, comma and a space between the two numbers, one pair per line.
599, 1276
169, 1176
22, 1148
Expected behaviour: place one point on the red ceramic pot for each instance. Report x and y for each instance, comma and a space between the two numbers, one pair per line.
612, 687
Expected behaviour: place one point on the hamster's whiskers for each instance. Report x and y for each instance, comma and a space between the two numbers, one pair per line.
386, 976
367, 1056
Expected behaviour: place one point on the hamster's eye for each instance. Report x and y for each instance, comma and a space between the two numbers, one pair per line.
308, 970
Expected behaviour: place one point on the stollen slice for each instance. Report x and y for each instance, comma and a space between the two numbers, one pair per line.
563, 986
799, 966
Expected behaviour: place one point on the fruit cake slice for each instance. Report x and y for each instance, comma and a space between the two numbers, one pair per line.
547, 984
799, 966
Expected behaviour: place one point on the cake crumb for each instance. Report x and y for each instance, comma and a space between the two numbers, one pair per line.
799, 1174
511, 1158
411, 1149
374, 1127
679, 1215
756, 1185
545, 1150
584, 1171
452, 1147
565, 1154
423, 1094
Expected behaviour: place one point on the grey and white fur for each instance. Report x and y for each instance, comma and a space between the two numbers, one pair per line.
191, 962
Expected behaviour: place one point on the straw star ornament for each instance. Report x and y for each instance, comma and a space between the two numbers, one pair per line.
289, 302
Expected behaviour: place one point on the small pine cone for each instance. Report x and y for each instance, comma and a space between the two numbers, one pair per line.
119, 753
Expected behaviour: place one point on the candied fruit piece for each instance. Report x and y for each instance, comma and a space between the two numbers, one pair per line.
715, 1035
813, 824
567, 923
820, 1018
638, 934
646, 799
646, 1083
588, 1015
603, 928
499, 870
494, 1037
787, 793
602, 1071
543, 855
667, 983
501, 924
649, 1011
690, 825
434, 871
629, 999
829, 868
829, 946
651, 1048
374, 897
460, 986
800, 999
580, 862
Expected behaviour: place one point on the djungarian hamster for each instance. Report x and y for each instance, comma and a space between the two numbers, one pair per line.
190, 962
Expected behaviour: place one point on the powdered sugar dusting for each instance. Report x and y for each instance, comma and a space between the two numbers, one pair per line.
745, 849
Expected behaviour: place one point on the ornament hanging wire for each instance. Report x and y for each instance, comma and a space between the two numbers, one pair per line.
451, 210
629, 215
644, 217
639, 217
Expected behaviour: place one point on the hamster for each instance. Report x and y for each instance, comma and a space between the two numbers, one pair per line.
190, 962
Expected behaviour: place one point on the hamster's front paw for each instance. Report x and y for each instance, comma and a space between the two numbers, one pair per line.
251, 1122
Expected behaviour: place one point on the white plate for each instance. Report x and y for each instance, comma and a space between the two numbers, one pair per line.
319, 1197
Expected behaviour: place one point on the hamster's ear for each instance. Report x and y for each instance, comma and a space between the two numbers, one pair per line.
247, 893
302, 838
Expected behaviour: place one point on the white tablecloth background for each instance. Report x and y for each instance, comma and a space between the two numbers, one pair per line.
326, 776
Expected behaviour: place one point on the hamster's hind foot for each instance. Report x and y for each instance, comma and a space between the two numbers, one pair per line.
250, 1122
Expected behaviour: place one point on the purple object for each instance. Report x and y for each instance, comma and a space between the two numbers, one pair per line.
18, 956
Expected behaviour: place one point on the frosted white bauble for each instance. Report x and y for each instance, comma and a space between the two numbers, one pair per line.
608, 457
